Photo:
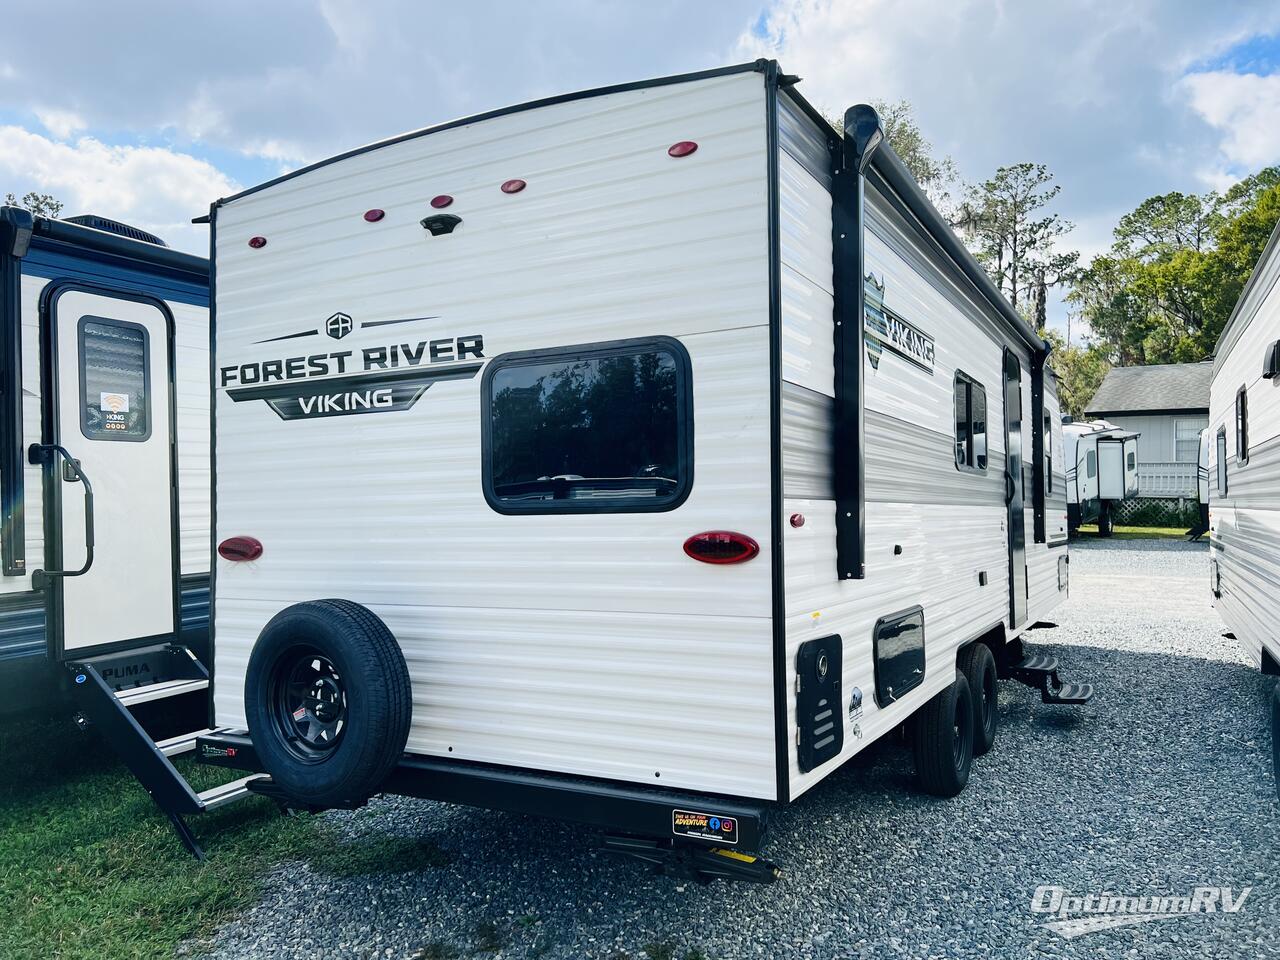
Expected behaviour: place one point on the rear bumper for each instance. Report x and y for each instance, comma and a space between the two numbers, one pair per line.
739, 824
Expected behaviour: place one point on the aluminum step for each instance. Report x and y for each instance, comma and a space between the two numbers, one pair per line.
182, 743
159, 691
225, 793
1068, 693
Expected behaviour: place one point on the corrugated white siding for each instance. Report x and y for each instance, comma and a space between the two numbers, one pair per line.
1245, 524
949, 525
586, 644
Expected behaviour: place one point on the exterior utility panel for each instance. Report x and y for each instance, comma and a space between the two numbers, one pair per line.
385, 386
1244, 466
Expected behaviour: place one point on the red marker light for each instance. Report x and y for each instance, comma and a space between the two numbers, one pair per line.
721, 546
513, 186
374, 215
682, 149
797, 519
240, 548
257, 242
441, 201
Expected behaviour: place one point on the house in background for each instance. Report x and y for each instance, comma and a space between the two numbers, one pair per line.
1168, 404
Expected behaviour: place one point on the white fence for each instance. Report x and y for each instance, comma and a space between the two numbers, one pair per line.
1167, 480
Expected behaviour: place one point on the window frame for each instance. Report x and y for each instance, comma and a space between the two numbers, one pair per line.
1048, 455
1091, 462
107, 437
1242, 425
593, 351
1220, 446
971, 446
1199, 425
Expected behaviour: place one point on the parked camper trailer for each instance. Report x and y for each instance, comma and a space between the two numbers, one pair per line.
104, 475
1102, 472
1244, 467
634, 457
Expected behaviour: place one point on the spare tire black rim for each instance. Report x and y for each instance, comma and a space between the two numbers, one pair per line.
309, 703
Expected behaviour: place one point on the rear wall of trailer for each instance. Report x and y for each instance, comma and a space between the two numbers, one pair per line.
581, 643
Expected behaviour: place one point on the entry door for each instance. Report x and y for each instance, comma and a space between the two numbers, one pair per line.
1013, 491
111, 409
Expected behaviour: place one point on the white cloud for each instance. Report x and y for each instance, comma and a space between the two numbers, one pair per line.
154, 188
1246, 108
61, 123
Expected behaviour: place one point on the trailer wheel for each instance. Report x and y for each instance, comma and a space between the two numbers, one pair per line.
979, 669
944, 740
1275, 737
327, 700
1105, 524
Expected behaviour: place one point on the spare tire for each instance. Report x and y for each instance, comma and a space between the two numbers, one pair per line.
328, 702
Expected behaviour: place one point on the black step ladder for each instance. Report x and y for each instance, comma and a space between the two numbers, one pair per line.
1040, 671
107, 687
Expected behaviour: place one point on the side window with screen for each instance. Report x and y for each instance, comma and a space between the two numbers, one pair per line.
971, 423
1222, 461
115, 387
598, 428
1091, 464
1048, 454
1131, 462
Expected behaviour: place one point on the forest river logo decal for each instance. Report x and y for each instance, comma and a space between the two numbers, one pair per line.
377, 379
885, 329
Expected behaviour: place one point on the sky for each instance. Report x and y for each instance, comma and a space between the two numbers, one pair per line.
146, 112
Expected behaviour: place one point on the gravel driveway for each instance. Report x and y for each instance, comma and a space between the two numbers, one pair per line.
1161, 785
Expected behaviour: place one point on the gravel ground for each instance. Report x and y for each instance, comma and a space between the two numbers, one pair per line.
1161, 785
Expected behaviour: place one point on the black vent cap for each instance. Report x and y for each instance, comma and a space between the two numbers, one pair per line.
116, 227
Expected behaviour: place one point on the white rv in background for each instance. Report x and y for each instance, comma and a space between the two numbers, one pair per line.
1102, 471
1244, 470
655, 435
104, 485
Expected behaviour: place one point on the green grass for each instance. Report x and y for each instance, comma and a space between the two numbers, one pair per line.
89, 867
1090, 532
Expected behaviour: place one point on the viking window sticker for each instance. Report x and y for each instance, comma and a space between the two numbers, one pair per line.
115, 389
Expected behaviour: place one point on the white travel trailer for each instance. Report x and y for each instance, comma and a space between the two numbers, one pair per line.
1244, 470
1102, 471
104, 479
661, 447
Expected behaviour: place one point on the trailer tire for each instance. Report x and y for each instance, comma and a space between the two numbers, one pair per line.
328, 702
979, 668
944, 740
1105, 524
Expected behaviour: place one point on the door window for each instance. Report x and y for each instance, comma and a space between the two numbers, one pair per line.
1090, 464
971, 423
1222, 461
601, 428
115, 389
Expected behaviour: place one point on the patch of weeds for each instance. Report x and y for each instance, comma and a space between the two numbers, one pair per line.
528, 920
660, 951
489, 938
694, 953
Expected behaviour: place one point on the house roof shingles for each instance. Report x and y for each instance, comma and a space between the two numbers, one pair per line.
1162, 387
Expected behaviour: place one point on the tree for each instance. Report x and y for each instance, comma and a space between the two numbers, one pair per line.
1179, 263
1004, 219
40, 204
1080, 371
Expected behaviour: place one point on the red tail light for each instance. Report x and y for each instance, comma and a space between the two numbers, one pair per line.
721, 546
374, 215
682, 149
257, 242
441, 201
513, 186
240, 548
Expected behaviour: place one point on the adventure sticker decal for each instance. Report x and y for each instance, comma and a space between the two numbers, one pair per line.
704, 826
374, 379
886, 329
